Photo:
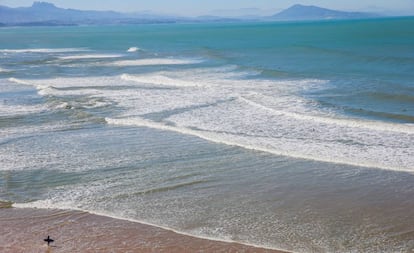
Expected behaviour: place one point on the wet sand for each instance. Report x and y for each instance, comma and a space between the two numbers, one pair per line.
23, 230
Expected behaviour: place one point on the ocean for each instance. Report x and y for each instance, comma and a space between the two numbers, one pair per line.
292, 135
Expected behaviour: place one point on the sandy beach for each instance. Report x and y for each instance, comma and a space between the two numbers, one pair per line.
23, 230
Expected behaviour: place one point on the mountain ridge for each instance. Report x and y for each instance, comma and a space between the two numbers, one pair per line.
311, 12
44, 13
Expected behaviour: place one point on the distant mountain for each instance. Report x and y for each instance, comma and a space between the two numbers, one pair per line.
303, 12
43, 13
47, 14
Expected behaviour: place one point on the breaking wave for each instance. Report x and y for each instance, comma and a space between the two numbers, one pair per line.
233, 107
133, 49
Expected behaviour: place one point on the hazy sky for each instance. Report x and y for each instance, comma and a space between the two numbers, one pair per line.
199, 7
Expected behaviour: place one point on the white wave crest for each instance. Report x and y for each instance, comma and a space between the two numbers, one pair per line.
19, 81
318, 150
3, 70
133, 49
13, 110
221, 105
355, 123
43, 50
154, 62
158, 80
89, 56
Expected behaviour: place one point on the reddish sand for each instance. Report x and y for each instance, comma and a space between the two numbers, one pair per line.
23, 230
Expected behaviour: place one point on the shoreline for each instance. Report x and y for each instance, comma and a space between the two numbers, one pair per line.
24, 229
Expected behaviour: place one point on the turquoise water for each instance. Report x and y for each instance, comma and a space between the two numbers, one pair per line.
296, 136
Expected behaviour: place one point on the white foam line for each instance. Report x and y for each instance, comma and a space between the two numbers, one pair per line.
56, 207
19, 81
373, 125
42, 88
211, 137
90, 56
158, 80
2, 70
7, 110
153, 62
43, 50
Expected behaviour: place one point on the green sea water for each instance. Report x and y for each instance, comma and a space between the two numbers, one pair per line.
295, 135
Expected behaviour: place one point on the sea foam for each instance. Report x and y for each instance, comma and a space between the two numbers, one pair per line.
221, 105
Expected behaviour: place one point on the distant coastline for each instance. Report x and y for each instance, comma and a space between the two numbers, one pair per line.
47, 14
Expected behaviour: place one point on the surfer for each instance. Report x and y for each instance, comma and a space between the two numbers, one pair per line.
48, 240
